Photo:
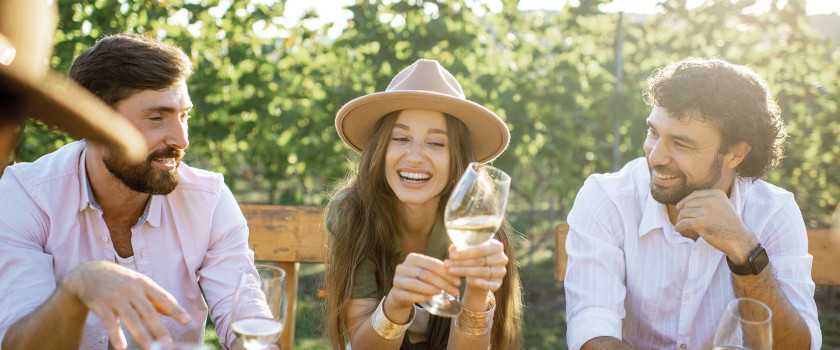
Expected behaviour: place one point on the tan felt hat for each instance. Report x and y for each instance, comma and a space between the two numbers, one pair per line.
29, 88
423, 85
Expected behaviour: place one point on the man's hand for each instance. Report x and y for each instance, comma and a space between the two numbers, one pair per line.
116, 294
712, 216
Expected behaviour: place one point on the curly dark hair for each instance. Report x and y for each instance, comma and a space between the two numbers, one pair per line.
733, 98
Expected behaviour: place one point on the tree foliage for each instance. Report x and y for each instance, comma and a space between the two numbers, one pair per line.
264, 104
265, 95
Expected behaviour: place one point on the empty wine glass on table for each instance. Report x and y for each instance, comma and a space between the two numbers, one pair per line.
473, 214
259, 307
746, 324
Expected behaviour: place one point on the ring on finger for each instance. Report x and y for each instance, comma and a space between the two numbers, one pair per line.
419, 272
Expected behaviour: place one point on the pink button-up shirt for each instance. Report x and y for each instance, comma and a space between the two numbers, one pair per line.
49, 225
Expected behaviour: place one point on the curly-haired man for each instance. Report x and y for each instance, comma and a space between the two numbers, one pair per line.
657, 250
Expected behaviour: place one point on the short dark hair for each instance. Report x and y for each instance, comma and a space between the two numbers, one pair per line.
120, 65
732, 97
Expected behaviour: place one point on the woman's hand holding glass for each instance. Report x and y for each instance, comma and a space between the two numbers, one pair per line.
484, 265
417, 279
474, 212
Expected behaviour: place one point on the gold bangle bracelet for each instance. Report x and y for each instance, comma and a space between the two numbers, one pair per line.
384, 327
476, 323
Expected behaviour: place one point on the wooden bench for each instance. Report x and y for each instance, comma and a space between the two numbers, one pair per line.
288, 236
825, 270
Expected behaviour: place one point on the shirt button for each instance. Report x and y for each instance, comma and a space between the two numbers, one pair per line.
688, 296
103, 340
683, 346
104, 239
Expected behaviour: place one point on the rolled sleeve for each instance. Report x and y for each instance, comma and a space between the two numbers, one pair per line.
592, 323
594, 285
227, 255
27, 277
786, 241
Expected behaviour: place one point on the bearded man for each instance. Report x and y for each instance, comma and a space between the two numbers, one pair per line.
657, 250
95, 249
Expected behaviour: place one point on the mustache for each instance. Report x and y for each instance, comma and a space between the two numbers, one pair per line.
167, 152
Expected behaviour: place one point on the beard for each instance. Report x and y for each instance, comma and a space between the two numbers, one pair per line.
673, 195
144, 177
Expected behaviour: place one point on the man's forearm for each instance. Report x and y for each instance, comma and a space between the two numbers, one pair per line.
605, 343
789, 328
58, 323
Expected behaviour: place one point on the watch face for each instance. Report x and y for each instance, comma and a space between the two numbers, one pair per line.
759, 260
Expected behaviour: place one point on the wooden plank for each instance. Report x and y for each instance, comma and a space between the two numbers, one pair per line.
826, 267
286, 233
561, 257
825, 270
287, 339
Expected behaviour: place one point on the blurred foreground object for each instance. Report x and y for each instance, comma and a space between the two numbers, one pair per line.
28, 88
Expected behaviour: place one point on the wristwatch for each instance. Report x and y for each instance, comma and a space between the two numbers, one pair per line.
754, 265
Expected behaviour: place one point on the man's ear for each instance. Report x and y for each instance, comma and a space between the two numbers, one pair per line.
736, 154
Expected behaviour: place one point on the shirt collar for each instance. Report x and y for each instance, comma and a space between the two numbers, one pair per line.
151, 213
655, 214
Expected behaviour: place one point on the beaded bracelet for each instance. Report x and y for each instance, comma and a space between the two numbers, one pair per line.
384, 327
476, 323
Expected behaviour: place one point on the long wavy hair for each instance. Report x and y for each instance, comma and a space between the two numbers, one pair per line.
368, 231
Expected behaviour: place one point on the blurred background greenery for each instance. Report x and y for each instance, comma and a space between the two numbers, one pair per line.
568, 83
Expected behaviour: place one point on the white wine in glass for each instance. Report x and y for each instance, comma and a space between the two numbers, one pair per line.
259, 307
474, 212
472, 231
746, 325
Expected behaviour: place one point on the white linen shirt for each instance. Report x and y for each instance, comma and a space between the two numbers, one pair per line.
631, 276
194, 236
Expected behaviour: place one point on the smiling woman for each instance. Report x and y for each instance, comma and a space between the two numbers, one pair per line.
417, 158
389, 245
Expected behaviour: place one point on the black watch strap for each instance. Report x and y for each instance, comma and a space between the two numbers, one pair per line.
753, 266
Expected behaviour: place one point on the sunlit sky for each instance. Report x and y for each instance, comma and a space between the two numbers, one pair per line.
649, 6
333, 10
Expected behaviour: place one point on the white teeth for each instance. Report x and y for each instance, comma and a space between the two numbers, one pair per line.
665, 177
414, 178
167, 161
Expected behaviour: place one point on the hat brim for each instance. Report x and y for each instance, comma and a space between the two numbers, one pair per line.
357, 119
70, 107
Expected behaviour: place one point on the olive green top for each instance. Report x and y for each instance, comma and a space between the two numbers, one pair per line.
364, 282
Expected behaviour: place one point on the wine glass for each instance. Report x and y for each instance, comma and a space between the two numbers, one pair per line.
178, 346
473, 214
259, 306
746, 324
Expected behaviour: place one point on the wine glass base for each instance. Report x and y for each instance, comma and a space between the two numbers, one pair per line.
443, 305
